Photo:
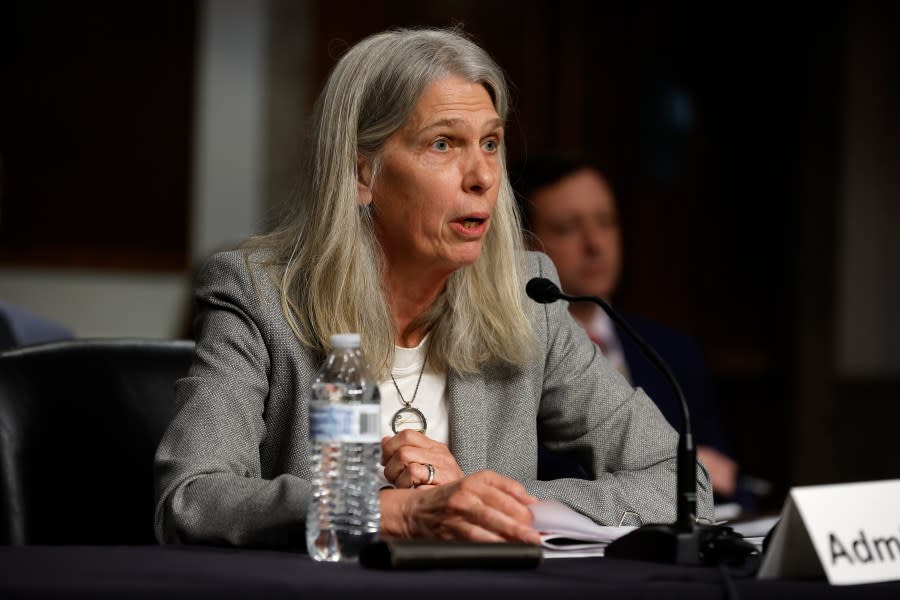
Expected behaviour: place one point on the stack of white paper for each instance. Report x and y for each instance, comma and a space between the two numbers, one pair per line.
566, 533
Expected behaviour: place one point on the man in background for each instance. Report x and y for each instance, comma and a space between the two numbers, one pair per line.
569, 212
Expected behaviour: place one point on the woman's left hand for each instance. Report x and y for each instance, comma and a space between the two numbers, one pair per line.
406, 457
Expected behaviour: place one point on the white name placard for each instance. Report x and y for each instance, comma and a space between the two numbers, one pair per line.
850, 532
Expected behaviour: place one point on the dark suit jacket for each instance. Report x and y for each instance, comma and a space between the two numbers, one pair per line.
686, 361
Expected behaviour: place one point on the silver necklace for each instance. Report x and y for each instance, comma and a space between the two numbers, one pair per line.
409, 417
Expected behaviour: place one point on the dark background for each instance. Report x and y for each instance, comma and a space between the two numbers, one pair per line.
95, 123
719, 125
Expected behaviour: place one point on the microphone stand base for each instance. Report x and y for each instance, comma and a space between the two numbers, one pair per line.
696, 545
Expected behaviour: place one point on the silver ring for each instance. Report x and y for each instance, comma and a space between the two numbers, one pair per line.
430, 474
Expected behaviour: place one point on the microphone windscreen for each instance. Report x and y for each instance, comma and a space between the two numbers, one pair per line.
542, 290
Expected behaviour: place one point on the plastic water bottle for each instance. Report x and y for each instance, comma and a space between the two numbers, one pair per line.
344, 429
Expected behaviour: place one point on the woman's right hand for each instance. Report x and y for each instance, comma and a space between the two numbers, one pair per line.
405, 457
485, 507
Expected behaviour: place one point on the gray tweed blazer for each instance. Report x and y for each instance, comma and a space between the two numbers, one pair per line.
232, 468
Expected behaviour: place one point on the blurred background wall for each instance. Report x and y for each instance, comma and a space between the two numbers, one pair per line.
754, 150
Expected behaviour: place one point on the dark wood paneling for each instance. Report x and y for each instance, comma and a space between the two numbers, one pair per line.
95, 132
866, 442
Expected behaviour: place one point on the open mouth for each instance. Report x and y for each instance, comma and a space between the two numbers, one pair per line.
471, 226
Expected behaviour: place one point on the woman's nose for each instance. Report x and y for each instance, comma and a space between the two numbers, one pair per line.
481, 172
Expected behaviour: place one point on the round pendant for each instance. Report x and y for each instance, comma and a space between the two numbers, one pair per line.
409, 418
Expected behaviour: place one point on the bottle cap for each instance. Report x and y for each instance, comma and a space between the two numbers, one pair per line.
345, 340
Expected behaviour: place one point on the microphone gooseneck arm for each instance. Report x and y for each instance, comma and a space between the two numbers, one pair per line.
687, 453
685, 541
545, 291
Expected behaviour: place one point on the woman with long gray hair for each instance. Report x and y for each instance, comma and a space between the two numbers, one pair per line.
405, 230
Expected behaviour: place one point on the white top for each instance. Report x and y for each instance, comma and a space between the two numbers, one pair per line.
431, 398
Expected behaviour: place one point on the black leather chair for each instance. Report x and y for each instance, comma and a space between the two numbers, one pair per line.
79, 424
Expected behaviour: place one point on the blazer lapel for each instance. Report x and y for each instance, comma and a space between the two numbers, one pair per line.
467, 397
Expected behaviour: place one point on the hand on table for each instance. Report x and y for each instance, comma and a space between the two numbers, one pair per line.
485, 507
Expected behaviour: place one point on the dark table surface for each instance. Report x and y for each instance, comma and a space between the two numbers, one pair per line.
173, 571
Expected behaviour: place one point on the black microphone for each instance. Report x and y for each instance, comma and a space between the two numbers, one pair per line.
685, 541
542, 290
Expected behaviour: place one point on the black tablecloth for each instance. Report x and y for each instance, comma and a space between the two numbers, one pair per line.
170, 571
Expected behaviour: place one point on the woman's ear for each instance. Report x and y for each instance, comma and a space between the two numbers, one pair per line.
363, 181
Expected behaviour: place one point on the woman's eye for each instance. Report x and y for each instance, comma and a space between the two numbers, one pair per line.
491, 145
441, 145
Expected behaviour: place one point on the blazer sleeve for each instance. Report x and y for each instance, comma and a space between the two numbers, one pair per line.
588, 409
208, 478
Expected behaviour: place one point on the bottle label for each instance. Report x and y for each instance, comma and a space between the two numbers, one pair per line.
357, 423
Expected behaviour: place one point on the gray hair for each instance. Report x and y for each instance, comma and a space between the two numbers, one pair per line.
326, 258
